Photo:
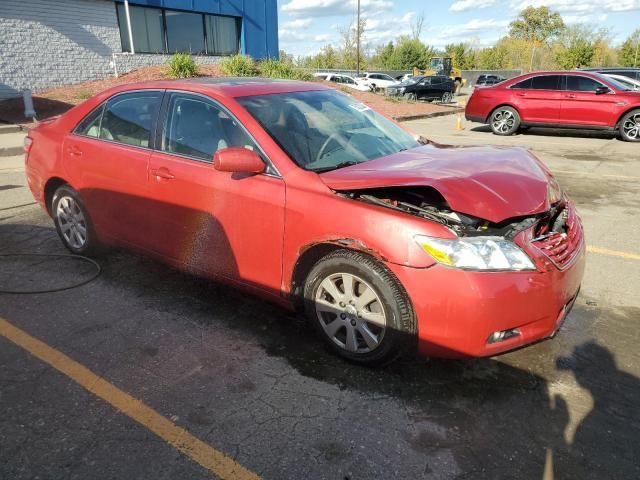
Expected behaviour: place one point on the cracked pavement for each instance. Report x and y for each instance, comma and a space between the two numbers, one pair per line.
255, 383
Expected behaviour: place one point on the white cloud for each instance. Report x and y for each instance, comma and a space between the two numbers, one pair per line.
584, 6
331, 8
584, 18
463, 5
477, 25
297, 23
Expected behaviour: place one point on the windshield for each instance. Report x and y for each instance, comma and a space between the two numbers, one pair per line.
411, 80
615, 82
324, 130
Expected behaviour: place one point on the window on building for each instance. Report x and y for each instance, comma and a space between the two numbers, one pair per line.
128, 118
146, 27
158, 30
184, 32
223, 35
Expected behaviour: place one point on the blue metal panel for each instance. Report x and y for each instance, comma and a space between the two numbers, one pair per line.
259, 37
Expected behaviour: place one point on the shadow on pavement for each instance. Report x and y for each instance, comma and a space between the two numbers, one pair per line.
553, 132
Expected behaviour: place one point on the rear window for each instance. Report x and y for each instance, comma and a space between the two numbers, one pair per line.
523, 84
546, 82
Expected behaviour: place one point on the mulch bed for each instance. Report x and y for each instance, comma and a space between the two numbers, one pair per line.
58, 100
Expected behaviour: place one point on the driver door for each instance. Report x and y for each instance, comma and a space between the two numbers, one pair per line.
220, 223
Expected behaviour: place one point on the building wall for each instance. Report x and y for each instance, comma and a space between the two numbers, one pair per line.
45, 43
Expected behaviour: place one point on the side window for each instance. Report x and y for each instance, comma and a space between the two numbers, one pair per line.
525, 84
197, 128
436, 81
334, 79
128, 118
348, 80
582, 84
90, 125
546, 82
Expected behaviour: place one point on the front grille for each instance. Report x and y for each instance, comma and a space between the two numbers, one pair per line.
563, 243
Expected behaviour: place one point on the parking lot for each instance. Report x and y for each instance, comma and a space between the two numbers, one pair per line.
145, 372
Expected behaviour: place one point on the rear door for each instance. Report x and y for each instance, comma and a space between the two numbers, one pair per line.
538, 98
107, 158
220, 223
581, 105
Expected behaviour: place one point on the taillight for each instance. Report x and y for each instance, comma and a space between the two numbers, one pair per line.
28, 141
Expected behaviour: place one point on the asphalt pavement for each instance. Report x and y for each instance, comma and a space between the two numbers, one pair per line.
149, 373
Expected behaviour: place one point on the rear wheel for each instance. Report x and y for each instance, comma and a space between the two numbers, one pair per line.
447, 97
73, 223
359, 308
630, 126
504, 121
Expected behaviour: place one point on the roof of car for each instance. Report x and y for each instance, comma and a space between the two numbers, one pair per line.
598, 69
229, 86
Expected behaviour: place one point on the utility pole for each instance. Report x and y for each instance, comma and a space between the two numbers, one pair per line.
358, 42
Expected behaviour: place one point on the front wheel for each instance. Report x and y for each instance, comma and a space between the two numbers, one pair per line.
73, 223
411, 97
630, 126
504, 121
359, 308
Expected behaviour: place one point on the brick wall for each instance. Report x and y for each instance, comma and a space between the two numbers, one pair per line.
46, 43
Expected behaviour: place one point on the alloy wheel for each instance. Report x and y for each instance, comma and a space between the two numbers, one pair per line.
503, 121
446, 97
350, 312
72, 222
631, 127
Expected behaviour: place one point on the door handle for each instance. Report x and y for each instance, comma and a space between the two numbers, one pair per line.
570, 95
522, 94
74, 151
163, 172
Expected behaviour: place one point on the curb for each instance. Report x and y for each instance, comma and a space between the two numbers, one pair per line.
9, 128
11, 151
405, 118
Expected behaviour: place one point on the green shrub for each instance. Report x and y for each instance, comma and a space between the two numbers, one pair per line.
239, 66
84, 94
273, 68
182, 65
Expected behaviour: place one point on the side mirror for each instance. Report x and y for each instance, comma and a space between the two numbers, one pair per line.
238, 160
601, 90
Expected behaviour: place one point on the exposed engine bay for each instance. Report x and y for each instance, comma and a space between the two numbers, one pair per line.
428, 203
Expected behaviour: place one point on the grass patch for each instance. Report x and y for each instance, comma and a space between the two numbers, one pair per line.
239, 66
182, 65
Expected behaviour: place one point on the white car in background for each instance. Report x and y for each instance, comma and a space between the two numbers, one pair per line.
344, 80
376, 80
626, 81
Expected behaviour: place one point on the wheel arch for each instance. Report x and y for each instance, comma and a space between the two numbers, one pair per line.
311, 254
628, 110
49, 189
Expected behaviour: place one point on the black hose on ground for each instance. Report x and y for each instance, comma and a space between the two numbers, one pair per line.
53, 255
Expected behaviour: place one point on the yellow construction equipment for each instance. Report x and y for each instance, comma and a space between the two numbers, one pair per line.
443, 66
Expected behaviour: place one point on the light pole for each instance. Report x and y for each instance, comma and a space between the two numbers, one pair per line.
358, 42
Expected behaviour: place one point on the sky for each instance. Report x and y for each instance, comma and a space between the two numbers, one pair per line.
307, 25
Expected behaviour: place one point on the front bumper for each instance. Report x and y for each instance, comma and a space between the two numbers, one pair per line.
458, 310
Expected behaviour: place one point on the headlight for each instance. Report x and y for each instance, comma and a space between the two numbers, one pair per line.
554, 192
476, 253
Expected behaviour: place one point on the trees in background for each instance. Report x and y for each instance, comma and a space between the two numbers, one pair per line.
538, 39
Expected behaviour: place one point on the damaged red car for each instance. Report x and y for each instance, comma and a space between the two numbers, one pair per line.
302, 195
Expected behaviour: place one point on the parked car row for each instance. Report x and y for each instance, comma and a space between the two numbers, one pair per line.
576, 99
421, 87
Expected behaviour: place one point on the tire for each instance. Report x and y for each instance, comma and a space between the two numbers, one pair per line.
410, 97
504, 121
73, 223
372, 333
447, 97
373, 87
629, 127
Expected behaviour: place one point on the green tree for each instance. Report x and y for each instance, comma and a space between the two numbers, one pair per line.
629, 55
461, 54
327, 57
409, 53
382, 56
493, 58
350, 45
574, 48
537, 25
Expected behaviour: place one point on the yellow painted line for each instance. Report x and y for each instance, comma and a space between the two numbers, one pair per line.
207, 456
613, 253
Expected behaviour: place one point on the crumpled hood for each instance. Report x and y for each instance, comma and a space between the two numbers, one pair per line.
488, 182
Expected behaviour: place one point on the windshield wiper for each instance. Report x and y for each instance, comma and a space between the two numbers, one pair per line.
348, 163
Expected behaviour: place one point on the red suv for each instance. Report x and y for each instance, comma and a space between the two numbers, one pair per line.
558, 99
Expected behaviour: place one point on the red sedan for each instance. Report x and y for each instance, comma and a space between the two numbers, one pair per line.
298, 193
581, 100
